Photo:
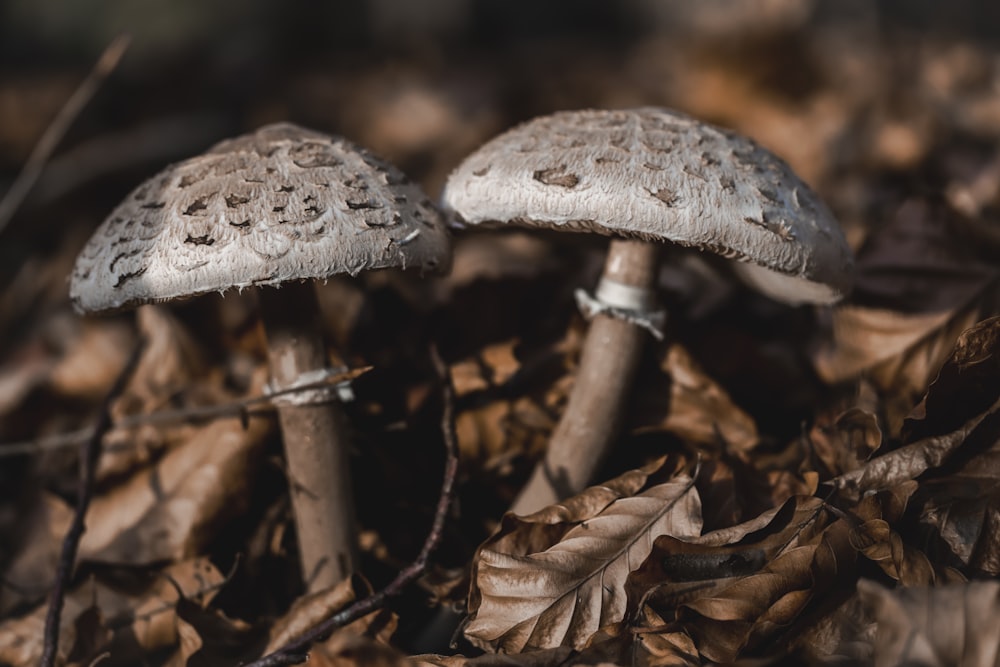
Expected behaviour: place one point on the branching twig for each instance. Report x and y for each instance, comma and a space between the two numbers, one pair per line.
89, 454
57, 129
243, 408
296, 651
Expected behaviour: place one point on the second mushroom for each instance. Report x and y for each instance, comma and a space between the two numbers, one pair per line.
644, 176
277, 207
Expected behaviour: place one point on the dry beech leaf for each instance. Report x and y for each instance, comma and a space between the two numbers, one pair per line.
960, 504
957, 625
209, 637
913, 460
555, 577
715, 558
364, 641
33, 565
684, 400
876, 541
93, 359
917, 288
967, 384
848, 442
743, 585
502, 405
170, 510
140, 620
171, 363
561, 655
898, 352
958, 414
309, 610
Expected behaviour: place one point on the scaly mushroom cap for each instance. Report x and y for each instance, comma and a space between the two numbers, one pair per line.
656, 174
281, 204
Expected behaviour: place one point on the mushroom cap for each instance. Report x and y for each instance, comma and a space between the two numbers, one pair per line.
280, 204
656, 174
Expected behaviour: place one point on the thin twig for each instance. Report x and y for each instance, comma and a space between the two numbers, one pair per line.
197, 414
297, 651
57, 128
89, 454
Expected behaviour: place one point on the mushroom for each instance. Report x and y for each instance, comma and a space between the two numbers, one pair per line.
277, 207
643, 176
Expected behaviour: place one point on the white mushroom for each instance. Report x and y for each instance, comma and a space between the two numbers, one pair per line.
644, 175
272, 208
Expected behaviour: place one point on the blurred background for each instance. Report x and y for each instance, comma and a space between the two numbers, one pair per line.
889, 109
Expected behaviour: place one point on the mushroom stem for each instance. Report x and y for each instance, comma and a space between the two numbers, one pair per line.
593, 413
314, 434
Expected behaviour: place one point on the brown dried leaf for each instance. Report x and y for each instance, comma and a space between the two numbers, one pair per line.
141, 621
684, 400
311, 609
170, 510
917, 288
561, 655
848, 442
503, 404
32, 567
955, 626
93, 359
716, 557
876, 541
960, 505
363, 643
743, 585
967, 385
898, 352
171, 363
911, 461
209, 637
555, 577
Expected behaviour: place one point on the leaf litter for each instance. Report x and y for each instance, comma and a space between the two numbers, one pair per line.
813, 487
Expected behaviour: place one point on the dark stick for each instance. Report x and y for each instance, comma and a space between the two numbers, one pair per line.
243, 408
90, 451
296, 651
57, 129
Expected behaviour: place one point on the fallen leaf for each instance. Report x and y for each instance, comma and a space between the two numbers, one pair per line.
917, 288
899, 353
141, 618
967, 384
682, 399
957, 625
309, 610
741, 586
170, 510
528, 594
32, 565
561, 655
913, 460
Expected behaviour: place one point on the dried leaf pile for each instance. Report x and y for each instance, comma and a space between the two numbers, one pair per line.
793, 486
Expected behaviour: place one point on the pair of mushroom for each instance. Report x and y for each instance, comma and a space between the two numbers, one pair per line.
284, 205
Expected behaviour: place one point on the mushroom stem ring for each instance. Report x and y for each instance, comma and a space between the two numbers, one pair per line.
635, 305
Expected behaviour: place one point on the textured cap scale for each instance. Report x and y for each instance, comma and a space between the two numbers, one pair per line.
655, 174
281, 204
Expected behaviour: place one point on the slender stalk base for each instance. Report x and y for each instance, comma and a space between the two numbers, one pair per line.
593, 412
316, 445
